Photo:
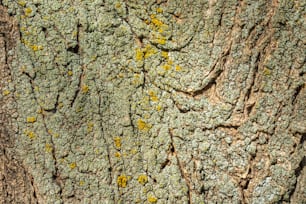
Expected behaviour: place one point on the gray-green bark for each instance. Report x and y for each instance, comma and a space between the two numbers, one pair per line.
153, 101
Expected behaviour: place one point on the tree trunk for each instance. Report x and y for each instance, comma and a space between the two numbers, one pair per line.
152, 101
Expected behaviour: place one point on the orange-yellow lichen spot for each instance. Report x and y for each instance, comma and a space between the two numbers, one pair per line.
70, 73
165, 54
153, 96
48, 148
159, 10
117, 141
166, 66
72, 165
50, 131
147, 21
178, 68
118, 154
122, 181
134, 151
30, 134
6, 92
22, 3
139, 54
161, 40
84, 88
267, 71
142, 125
155, 21
60, 105
158, 107
90, 126
82, 183
31, 119
56, 135
36, 47
152, 199
27, 11
142, 179
149, 51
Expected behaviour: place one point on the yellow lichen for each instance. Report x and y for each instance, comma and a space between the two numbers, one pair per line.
161, 40
72, 165
30, 134
149, 51
134, 151
90, 126
117, 141
147, 21
6, 92
164, 54
48, 148
56, 135
142, 125
122, 181
36, 47
60, 105
70, 73
84, 88
161, 30
142, 179
178, 68
166, 67
158, 107
267, 72
153, 96
152, 199
21, 3
136, 79
120, 75
82, 183
139, 54
50, 131
31, 119
156, 22
118, 154
27, 11
159, 10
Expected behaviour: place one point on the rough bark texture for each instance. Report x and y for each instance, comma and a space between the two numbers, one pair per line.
148, 101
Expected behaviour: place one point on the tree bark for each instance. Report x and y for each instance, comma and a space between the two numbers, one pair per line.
152, 101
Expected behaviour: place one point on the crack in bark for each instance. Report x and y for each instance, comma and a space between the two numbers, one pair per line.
56, 174
296, 93
77, 91
181, 167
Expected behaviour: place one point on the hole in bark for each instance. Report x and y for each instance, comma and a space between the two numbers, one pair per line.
73, 49
163, 165
250, 108
172, 148
303, 138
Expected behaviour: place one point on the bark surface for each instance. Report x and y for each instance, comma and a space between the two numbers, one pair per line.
153, 101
